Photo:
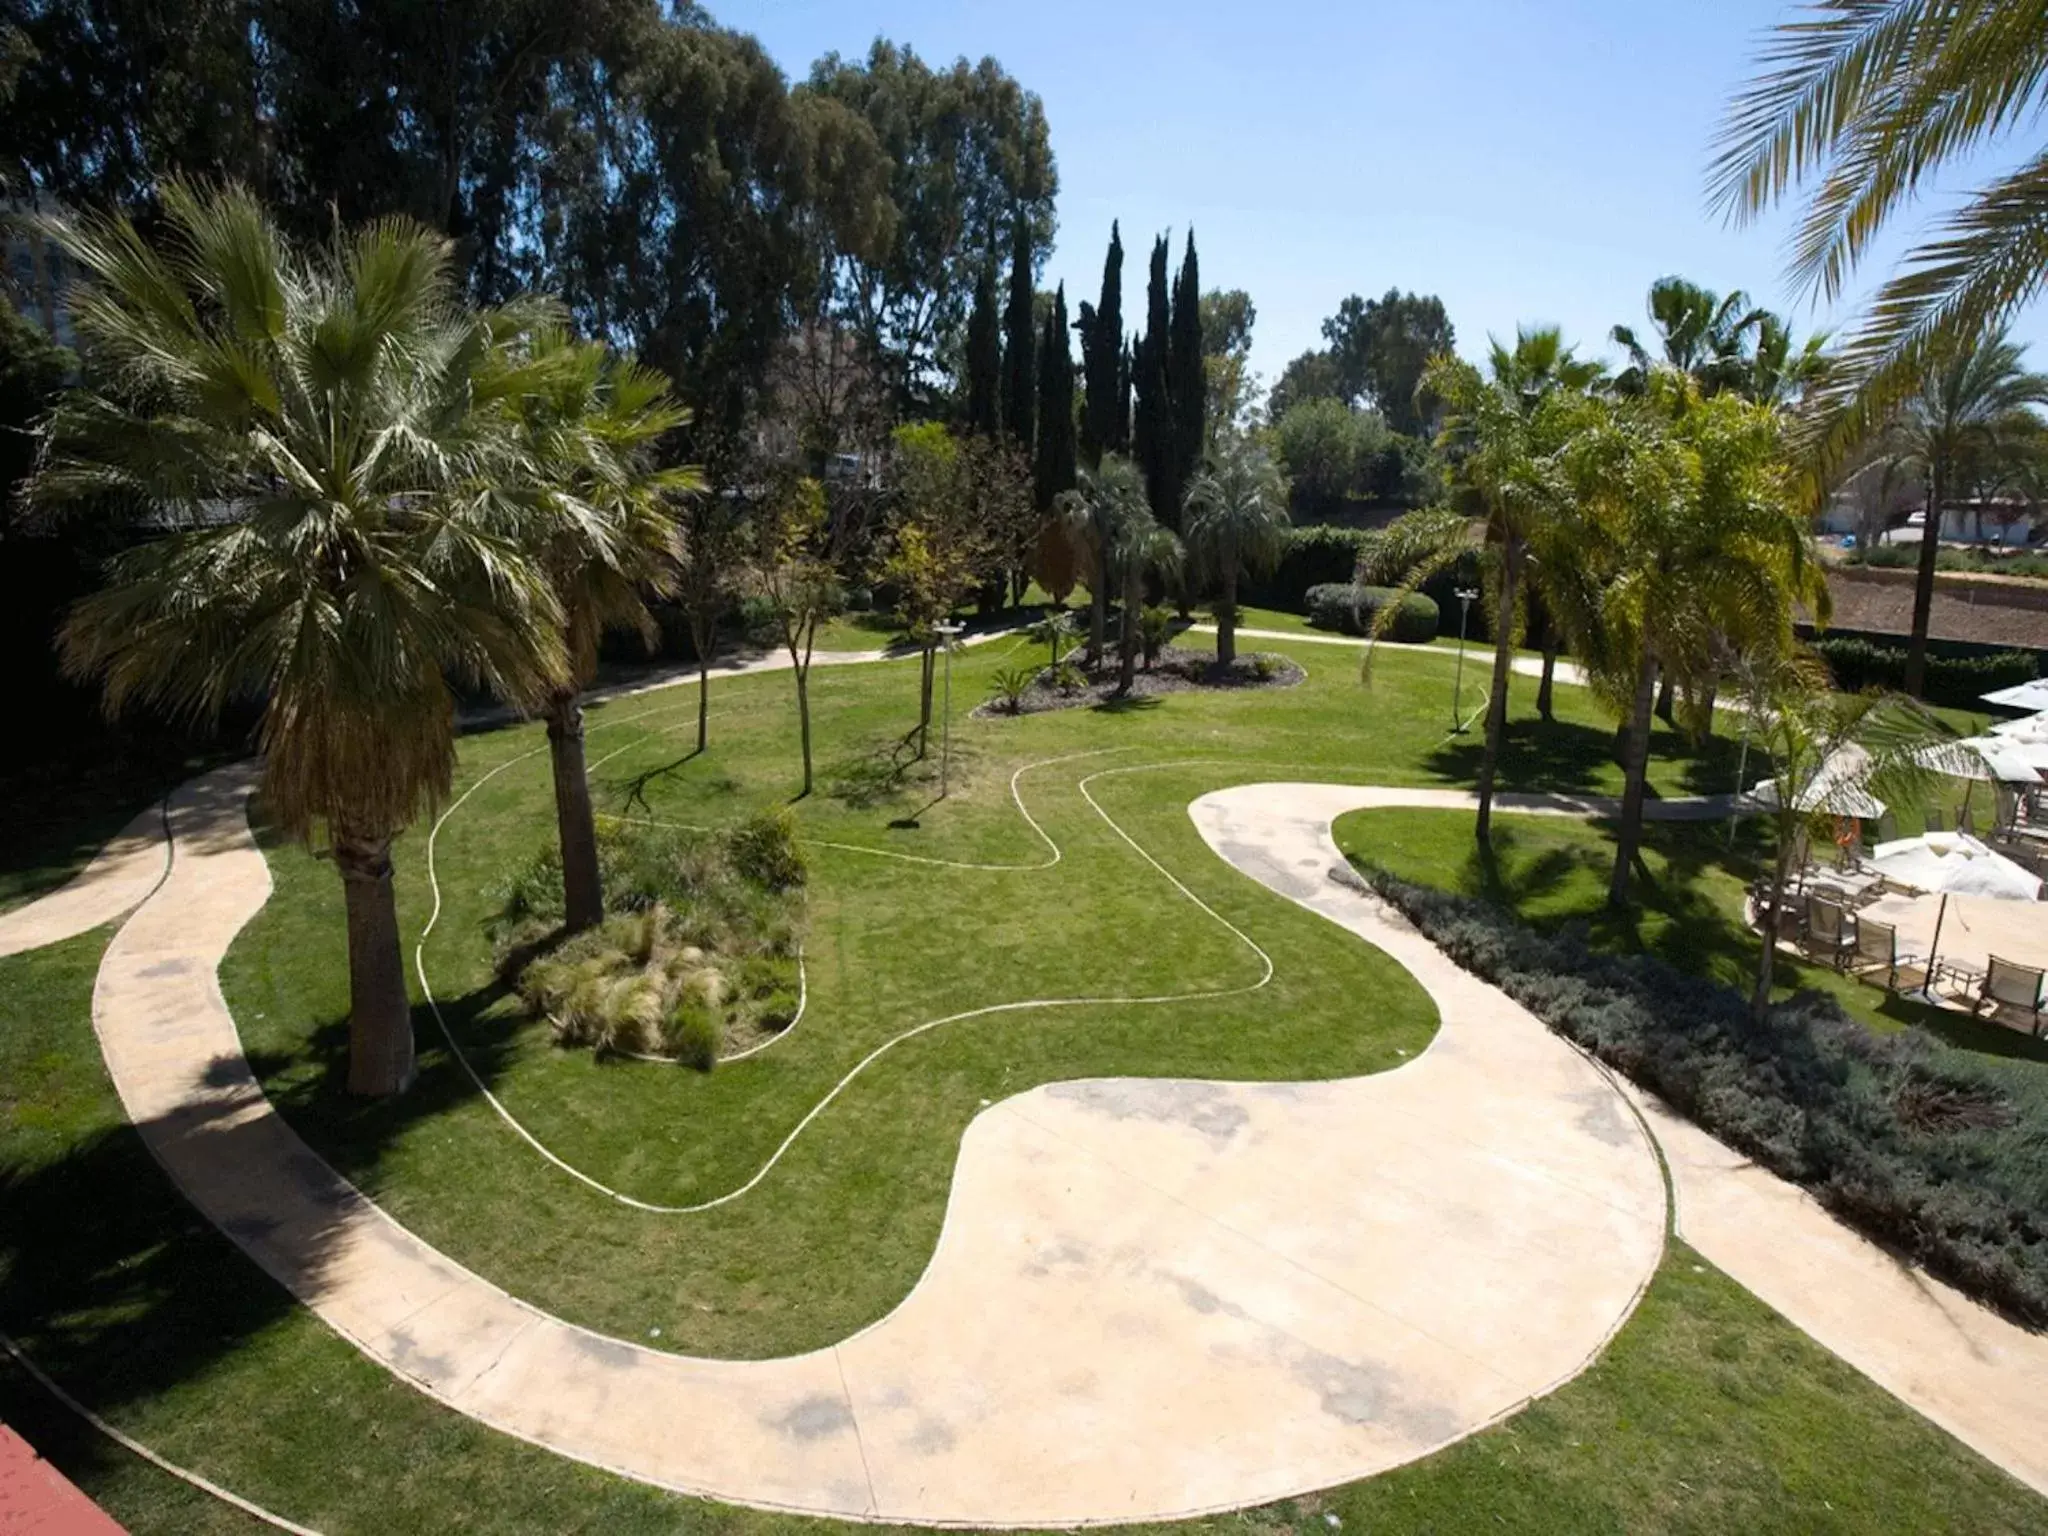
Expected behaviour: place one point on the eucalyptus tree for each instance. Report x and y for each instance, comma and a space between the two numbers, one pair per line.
1235, 520
1503, 430
1969, 405
591, 422
1867, 102
348, 410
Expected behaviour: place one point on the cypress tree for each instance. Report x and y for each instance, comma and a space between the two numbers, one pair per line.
1053, 468
1105, 426
1020, 390
1152, 422
1186, 382
984, 358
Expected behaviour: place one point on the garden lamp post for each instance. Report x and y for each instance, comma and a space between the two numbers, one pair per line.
946, 630
1465, 598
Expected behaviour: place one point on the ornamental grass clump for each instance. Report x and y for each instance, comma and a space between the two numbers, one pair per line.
698, 960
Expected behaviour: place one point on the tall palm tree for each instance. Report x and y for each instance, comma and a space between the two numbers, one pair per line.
1872, 100
1969, 402
1235, 517
1101, 501
1779, 373
1700, 333
344, 407
591, 422
1683, 540
1502, 432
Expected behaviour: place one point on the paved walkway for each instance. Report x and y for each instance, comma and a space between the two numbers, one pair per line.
117, 879
1150, 1298
1479, 653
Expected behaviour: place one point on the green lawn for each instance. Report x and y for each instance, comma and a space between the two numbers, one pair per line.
1689, 895
1708, 1413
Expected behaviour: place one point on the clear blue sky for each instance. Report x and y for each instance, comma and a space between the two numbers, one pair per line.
1529, 162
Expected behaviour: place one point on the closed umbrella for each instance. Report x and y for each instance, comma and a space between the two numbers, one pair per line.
2032, 695
1835, 788
1953, 864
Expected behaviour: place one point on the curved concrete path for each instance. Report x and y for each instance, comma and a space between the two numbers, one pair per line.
118, 878
1149, 1298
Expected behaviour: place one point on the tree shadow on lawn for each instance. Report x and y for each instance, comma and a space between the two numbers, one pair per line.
1566, 757
121, 1290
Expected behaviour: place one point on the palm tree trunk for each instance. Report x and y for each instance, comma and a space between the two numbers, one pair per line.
1923, 583
582, 885
1664, 698
1127, 657
380, 1054
1760, 998
1226, 617
1497, 701
1543, 699
1098, 614
1629, 835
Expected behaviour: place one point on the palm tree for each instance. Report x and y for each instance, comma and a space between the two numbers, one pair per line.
1701, 334
1777, 372
1827, 750
1969, 403
1100, 502
1872, 99
346, 409
1683, 541
590, 422
1236, 515
1502, 432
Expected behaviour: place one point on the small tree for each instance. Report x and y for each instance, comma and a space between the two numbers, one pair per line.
1235, 518
1105, 497
936, 544
790, 572
712, 537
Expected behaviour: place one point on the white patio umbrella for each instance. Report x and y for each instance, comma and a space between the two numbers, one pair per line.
1834, 788
1983, 758
2029, 728
2032, 695
1953, 864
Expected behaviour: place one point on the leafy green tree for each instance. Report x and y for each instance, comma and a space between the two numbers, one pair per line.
1235, 520
1228, 316
1057, 458
1227, 380
1380, 349
713, 539
984, 358
791, 571
1968, 403
1873, 100
967, 151
1020, 345
1311, 376
1105, 417
591, 423
350, 409
1320, 443
1504, 431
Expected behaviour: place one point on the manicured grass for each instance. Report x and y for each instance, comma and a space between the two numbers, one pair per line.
1707, 1414
1689, 901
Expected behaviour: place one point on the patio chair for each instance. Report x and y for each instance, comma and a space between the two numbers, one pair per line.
1791, 908
1887, 827
1937, 819
1827, 935
1877, 949
2012, 991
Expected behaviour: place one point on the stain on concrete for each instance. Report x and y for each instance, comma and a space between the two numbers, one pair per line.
405, 1353
1067, 1254
1209, 1108
164, 970
814, 1418
1600, 1117
606, 1352
932, 1437
1258, 862
1372, 1394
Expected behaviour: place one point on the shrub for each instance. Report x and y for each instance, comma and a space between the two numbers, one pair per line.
1314, 554
763, 849
1922, 1146
1265, 668
1068, 678
1155, 628
1007, 688
1953, 680
1353, 610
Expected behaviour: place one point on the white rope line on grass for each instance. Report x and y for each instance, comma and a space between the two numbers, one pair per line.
1026, 1005
135, 1447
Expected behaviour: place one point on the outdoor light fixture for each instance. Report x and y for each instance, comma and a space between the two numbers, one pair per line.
946, 630
1466, 597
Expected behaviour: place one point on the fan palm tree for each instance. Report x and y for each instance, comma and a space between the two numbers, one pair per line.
1872, 100
345, 408
1700, 333
1101, 501
1235, 517
1502, 432
1683, 540
1777, 372
590, 422
1969, 402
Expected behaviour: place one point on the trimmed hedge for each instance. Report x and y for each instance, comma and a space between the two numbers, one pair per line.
1923, 1147
1953, 680
1352, 610
1310, 556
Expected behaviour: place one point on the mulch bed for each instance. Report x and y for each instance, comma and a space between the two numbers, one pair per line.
1176, 671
